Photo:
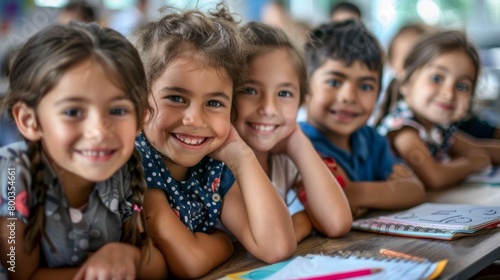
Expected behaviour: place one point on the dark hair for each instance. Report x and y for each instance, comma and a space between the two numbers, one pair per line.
348, 41
214, 36
426, 50
84, 10
417, 28
36, 70
345, 6
262, 37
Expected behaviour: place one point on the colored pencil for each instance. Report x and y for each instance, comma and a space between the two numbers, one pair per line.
400, 255
345, 275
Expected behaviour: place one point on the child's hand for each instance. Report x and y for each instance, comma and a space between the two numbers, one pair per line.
290, 143
479, 159
232, 148
113, 261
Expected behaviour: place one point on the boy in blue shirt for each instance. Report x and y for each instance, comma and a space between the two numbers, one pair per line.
345, 69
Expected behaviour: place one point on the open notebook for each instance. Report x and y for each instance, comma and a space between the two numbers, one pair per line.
434, 220
447, 216
326, 267
375, 225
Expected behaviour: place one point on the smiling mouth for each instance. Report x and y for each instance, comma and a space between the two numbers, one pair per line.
263, 127
96, 153
190, 140
445, 107
344, 114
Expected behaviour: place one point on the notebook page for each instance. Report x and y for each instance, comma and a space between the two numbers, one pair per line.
317, 265
447, 216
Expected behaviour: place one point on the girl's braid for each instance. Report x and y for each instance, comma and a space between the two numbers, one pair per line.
137, 232
36, 221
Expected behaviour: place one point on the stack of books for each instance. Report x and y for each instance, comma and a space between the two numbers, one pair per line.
435, 221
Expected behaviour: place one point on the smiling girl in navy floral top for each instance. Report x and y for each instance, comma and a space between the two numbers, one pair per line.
198, 169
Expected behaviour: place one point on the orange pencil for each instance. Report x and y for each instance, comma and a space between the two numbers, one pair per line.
400, 255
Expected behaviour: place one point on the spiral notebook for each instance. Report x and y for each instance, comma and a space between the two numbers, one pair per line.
434, 220
327, 266
445, 216
377, 226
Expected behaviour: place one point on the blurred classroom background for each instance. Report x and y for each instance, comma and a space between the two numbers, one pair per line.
19, 19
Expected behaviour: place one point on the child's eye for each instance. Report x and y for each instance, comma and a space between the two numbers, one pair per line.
214, 103
333, 83
250, 91
436, 79
176, 98
284, 93
73, 113
366, 87
119, 111
463, 87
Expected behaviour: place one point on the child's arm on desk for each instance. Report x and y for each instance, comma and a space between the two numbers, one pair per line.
187, 254
301, 225
252, 208
401, 190
435, 174
464, 142
26, 265
123, 261
325, 201
114, 260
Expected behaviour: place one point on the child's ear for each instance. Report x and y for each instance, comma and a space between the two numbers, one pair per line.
26, 121
403, 88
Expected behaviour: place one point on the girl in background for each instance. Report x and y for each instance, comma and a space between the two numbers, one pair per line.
77, 95
266, 120
398, 50
198, 169
437, 90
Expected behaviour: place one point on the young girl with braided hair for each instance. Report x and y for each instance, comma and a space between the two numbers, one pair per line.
198, 169
71, 194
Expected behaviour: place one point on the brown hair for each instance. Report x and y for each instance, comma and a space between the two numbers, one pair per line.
348, 41
425, 50
262, 37
38, 67
213, 36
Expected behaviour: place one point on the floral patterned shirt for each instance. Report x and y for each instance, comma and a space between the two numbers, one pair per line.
439, 139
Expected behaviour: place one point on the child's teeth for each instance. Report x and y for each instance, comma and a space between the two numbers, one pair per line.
190, 140
263, 127
94, 153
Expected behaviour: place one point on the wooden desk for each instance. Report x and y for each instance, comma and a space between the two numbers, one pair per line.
466, 256
468, 194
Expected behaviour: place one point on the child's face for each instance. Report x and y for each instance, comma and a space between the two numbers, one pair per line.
440, 92
192, 118
88, 124
342, 97
267, 111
